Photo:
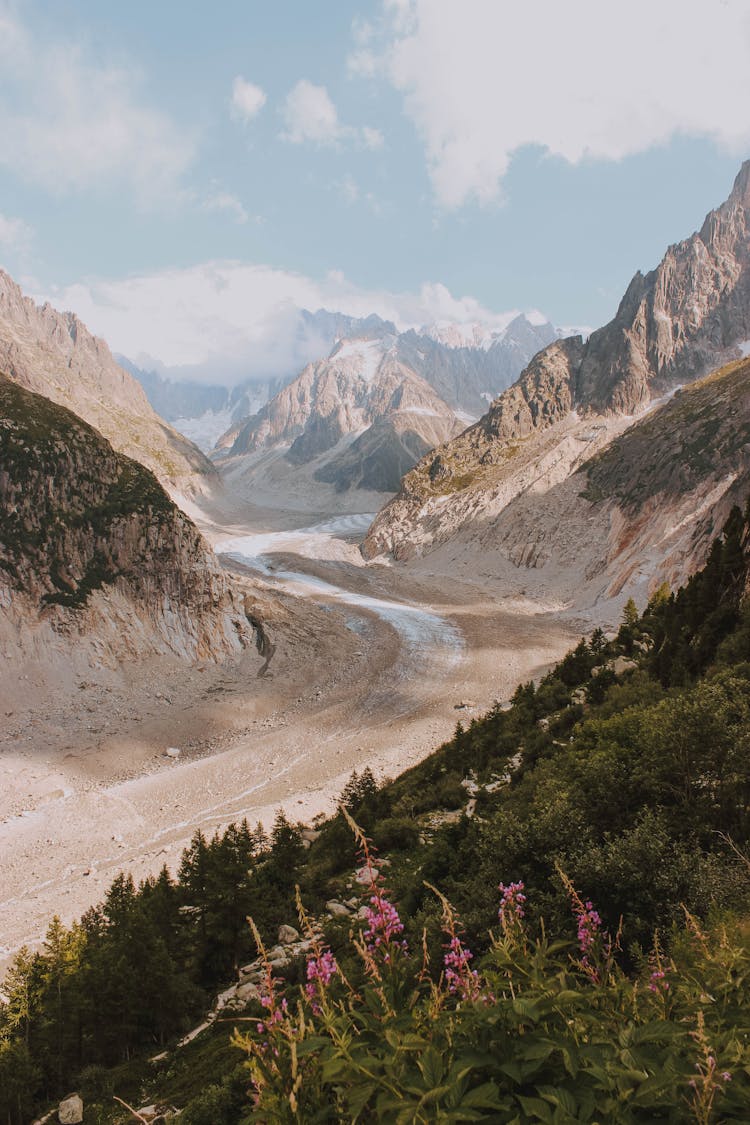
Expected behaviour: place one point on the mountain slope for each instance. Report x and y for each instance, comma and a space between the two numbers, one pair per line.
55, 355
590, 512
380, 400
92, 546
674, 325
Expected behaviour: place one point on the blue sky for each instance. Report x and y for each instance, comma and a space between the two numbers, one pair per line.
181, 174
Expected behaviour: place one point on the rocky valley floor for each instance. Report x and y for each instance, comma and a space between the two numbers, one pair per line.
371, 666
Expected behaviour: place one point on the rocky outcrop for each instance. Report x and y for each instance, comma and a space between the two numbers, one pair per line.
587, 515
55, 355
674, 325
91, 542
365, 414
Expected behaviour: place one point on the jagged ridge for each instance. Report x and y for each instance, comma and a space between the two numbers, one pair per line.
55, 355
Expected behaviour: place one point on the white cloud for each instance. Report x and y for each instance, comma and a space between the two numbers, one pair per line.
310, 116
348, 189
225, 321
228, 203
247, 99
481, 80
69, 122
15, 234
372, 138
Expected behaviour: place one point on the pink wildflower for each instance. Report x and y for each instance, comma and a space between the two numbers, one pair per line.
462, 980
511, 904
589, 923
657, 981
383, 925
320, 971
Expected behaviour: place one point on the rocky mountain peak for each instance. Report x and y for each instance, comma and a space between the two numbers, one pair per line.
675, 324
54, 354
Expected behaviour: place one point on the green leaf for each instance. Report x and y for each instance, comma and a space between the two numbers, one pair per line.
541, 1049
486, 1096
358, 1096
432, 1067
312, 1043
559, 1097
526, 1009
535, 1109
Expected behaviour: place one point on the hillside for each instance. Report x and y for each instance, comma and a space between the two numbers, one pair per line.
55, 355
628, 757
93, 546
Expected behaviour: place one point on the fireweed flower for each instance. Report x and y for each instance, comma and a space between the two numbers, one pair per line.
462, 980
657, 982
383, 925
589, 924
511, 910
321, 969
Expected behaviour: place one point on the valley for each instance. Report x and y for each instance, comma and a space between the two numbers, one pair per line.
370, 666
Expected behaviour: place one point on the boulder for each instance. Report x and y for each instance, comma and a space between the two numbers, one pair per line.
224, 997
337, 909
248, 992
70, 1110
287, 935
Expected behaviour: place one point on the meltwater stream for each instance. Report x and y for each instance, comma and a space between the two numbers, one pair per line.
428, 638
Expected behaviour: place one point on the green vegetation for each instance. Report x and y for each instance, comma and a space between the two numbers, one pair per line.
621, 779
702, 431
65, 492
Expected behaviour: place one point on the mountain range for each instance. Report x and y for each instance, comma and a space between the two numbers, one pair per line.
363, 415
512, 491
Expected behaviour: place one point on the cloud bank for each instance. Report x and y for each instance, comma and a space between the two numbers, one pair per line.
582, 80
69, 122
223, 322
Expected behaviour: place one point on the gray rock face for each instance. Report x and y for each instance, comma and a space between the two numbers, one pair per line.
70, 1111
55, 355
675, 324
288, 935
400, 393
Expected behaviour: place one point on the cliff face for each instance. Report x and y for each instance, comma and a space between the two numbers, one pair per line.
587, 513
55, 355
85, 528
679, 322
381, 399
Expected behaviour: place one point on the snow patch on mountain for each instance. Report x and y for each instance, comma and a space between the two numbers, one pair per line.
205, 430
366, 355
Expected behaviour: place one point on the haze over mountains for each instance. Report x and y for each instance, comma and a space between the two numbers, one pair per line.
362, 416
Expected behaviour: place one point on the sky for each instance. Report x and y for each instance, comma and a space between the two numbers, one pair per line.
184, 176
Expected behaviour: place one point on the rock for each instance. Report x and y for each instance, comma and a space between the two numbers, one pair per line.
172, 752
337, 909
70, 1110
225, 997
623, 664
248, 992
287, 935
